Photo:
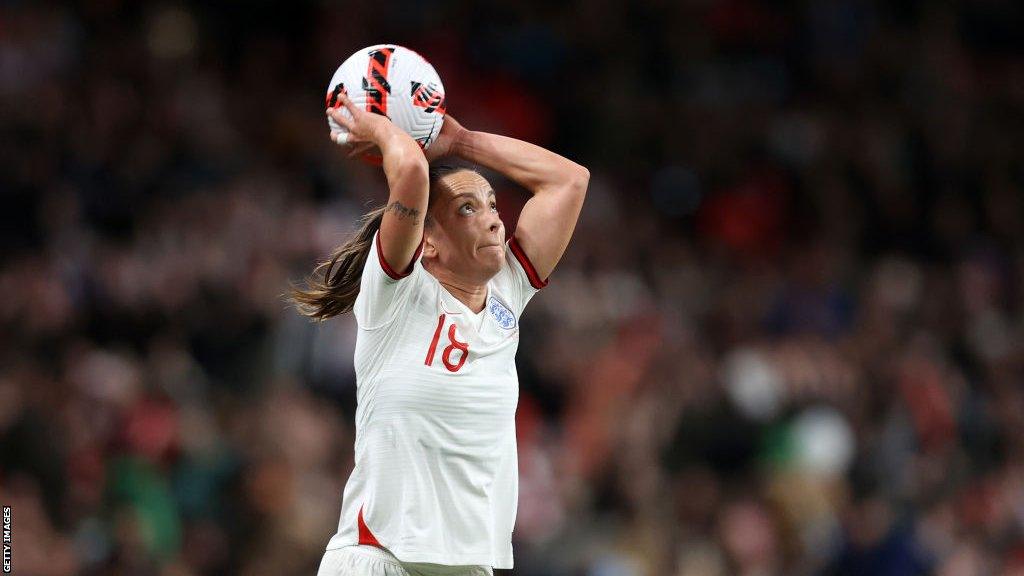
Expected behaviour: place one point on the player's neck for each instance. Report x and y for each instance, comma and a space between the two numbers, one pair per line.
471, 294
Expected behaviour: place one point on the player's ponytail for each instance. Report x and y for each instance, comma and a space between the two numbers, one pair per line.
333, 288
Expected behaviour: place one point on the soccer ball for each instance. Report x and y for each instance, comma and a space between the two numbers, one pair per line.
392, 81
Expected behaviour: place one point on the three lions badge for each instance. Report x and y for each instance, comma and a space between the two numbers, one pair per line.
501, 313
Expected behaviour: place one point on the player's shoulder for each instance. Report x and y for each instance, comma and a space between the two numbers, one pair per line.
521, 266
376, 265
385, 293
395, 288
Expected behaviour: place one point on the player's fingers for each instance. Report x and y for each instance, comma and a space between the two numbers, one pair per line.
340, 138
349, 140
348, 104
340, 118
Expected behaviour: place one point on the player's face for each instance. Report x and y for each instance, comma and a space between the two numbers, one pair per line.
468, 237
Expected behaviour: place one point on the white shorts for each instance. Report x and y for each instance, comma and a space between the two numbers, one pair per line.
373, 561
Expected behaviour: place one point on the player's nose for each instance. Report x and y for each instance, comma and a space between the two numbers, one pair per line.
495, 224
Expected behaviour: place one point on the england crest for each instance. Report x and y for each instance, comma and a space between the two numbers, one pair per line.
501, 313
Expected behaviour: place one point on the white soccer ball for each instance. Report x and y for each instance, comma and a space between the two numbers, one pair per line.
395, 82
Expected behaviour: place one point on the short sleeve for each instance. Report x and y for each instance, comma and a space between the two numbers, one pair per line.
382, 290
518, 277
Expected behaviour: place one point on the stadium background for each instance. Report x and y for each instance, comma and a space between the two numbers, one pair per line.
786, 338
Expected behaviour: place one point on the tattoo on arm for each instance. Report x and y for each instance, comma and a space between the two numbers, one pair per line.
402, 211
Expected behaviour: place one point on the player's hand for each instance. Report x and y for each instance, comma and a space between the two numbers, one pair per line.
363, 130
451, 132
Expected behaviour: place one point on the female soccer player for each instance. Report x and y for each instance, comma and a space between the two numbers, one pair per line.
437, 293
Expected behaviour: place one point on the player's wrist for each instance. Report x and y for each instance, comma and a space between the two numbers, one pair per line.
393, 137
462, 143
383, 131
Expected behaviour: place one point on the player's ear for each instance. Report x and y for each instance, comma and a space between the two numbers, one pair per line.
429, 250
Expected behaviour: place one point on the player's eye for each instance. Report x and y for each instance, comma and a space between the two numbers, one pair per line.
494, 206
466, 208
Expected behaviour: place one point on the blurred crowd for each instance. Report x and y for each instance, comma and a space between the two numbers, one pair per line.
786, 339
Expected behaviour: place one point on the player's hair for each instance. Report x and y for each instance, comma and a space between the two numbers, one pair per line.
334, 285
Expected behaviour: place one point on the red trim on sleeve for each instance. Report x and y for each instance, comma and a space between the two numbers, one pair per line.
365, 536
524, 261
387, 267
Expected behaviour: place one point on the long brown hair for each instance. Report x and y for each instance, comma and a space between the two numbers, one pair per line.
334, 285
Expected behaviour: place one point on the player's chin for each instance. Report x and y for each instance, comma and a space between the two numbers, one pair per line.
491, 258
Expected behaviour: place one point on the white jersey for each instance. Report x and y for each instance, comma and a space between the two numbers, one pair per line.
436, 474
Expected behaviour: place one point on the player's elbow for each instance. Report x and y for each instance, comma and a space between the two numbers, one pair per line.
579, 180
583, 176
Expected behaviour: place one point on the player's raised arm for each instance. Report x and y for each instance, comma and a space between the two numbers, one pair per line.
401, 229
558, 185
